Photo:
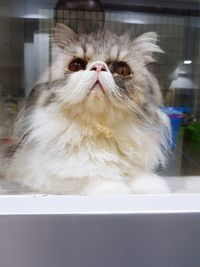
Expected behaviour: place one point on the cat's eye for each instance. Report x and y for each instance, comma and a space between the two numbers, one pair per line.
77, 64
121, 68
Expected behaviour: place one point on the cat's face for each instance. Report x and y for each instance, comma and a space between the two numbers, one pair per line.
102, 69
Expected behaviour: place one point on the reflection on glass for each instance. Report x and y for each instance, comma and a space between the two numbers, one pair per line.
25, 52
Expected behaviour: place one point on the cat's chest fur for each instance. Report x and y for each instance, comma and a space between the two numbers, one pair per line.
81, 143
82, 146
62, 153
64, 135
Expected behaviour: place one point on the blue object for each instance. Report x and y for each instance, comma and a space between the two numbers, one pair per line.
176, 115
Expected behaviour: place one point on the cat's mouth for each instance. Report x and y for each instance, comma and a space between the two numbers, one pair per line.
97, 86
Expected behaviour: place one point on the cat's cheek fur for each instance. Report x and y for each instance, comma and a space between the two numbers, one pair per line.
107, 82
77, 87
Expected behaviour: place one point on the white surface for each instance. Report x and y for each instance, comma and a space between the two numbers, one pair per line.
49, 204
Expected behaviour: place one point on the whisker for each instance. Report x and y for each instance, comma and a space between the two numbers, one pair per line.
132, 106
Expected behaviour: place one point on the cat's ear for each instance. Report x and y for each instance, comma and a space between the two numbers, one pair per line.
145, 46
63, 35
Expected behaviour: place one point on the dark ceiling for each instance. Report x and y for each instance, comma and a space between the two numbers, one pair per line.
182, 7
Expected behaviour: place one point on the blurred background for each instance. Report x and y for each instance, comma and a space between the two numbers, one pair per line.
25, 53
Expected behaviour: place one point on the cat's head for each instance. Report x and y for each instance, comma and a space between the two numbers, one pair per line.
102, 70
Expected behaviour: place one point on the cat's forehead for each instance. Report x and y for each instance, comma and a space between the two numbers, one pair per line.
103, 46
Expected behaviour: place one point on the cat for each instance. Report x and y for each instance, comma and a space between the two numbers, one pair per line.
92, 124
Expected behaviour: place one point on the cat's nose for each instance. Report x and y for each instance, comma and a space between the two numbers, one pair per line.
98, 67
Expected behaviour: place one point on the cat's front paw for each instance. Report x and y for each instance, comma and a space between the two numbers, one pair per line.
106, 187
148, 184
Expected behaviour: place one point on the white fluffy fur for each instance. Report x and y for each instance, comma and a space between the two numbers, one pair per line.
87, 142
69, 155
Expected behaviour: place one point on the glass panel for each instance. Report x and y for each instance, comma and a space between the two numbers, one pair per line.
26, 51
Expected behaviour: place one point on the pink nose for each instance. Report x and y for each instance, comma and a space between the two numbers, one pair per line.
98, 67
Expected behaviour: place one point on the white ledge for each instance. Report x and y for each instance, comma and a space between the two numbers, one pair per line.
124, 204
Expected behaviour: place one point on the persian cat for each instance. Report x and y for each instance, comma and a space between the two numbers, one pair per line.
92, 124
